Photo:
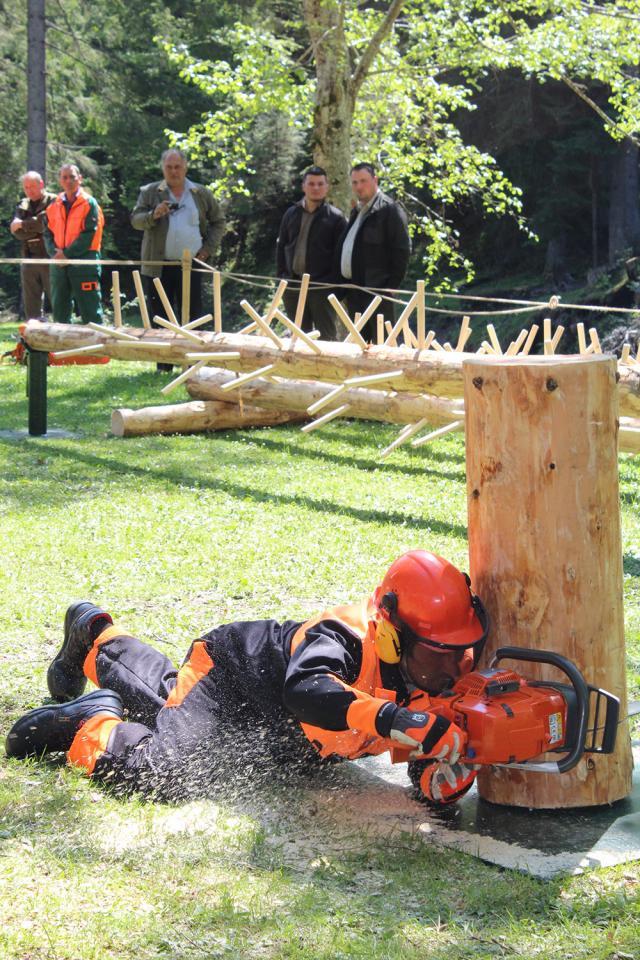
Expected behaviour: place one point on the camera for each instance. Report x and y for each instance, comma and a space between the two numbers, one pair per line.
173, 206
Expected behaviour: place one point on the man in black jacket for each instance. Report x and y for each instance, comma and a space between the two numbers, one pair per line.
307, 243
375, 247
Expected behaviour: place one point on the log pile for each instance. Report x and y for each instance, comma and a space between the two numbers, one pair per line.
417, 385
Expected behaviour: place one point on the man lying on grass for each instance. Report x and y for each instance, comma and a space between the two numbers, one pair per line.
339, 685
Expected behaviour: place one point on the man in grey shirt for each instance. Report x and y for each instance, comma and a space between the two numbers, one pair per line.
176, 214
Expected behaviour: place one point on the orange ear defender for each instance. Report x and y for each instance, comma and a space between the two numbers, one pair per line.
387, 639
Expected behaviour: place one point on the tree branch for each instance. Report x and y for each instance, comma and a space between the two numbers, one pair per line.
579, 92
375, 43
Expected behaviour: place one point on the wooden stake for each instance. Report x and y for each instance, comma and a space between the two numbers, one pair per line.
404, 316
493, 337
626, 353
183, 376
198, 323
380, 329
297, 332
262, 324
582, 340
247, 377
546, 329
302, 299
187, 265
456, 425
488, 348
371, 378
142, 302
157, 282
420, 313
180, 331
465, 333
530, 339
338, 412
515, 345
595, 340
323, 401
346, 319
91, 348
115, 299
119, 334
403, 437
217, 302
556, 338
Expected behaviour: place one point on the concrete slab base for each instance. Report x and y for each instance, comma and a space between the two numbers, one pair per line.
54, 434
543, 843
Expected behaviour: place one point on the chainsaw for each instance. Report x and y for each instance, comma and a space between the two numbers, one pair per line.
510, 721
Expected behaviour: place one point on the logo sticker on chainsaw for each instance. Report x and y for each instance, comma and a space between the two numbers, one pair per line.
555, 727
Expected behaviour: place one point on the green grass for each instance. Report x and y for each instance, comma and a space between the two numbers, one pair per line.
174, 535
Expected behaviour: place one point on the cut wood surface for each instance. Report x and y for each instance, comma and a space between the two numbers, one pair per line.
435, 372
194, 417
545, 545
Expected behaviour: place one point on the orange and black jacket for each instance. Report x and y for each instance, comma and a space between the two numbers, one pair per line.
76, 231
324, 672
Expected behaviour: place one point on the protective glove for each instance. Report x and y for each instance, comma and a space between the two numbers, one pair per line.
432, 736
439, 784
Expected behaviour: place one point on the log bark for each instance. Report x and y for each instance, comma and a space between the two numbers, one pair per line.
438, 373
298, 395
194, 417
545, 543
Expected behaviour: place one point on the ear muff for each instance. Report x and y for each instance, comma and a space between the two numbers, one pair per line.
387, 642
387, 639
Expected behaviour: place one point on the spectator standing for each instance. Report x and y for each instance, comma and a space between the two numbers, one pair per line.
176, 214
74, 232
308, 240
375, 247
28, 226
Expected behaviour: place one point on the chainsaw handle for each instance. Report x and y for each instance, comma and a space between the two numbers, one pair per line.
581, 690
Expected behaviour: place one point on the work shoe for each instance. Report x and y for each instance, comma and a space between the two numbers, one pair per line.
52, 728
83, 622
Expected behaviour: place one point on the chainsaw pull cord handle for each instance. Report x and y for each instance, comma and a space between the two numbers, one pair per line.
581, 689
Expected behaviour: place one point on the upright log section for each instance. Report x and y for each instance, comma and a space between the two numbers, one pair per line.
545, 544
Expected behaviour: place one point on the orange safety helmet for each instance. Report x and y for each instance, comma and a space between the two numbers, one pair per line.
429, 620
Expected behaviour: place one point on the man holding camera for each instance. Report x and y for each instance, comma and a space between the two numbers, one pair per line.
176, 215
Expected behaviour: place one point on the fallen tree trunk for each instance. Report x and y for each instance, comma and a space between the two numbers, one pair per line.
298, 395
438, 373
194, 417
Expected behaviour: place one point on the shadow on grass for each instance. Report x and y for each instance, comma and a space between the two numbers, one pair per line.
58, 494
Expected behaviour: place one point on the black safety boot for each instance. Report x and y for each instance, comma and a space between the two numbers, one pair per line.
83, 622
52, 728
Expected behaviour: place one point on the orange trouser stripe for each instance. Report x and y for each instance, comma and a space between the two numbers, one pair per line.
90, 742
197, 666
107, 634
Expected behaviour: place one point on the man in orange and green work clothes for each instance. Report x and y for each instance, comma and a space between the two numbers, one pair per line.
74, 232
353, 681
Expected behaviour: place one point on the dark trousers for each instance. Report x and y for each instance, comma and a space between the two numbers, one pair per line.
186, 728
171, 278
318, 313
35, 283
357, 301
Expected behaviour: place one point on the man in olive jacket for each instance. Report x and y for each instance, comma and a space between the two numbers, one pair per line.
28, 224
308, 239
176, 214
375, 248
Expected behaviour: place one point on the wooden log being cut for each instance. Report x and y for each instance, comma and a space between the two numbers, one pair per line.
298, 395
434, 372
545, 544
195, 417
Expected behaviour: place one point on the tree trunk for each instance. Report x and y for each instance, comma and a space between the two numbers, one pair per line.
194, 417
36, 89
334, 104
624, 202
545, 546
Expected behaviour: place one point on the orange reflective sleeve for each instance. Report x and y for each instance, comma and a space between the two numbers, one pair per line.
362, 713
90, 742
196, 667
89, 668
